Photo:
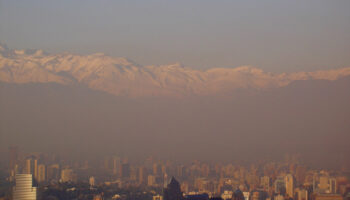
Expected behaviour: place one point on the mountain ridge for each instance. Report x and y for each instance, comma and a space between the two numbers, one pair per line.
122, 77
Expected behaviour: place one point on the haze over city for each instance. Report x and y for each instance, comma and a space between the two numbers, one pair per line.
98, 85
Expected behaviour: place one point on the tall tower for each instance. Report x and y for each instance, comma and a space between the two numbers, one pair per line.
35, 169
155, 169
314, 182
106, 163
24, 189
141, 175
116, 165
333, 185
28, 168
41, 173
173, 191
125, 170
288, 180
280, 186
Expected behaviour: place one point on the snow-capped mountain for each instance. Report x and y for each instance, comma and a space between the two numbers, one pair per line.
122, 77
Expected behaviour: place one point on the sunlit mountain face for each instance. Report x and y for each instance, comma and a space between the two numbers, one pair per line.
121, 77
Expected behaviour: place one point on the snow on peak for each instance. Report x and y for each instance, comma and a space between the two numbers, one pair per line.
120, 76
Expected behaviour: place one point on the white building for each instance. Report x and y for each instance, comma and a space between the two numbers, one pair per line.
24, 189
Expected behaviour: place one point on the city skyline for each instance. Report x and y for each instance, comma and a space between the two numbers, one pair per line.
42, 175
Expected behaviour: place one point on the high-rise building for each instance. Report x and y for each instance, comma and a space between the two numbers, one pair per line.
300, 174
180, 171
155, 169
53, 172
289, 185
151, 180
163, 169
133, 173
31, 167
35, 169
125, 170
280, 186
28, 168
24, 189
106, 163
173, 191
142, 175
185, 187
323, 185
333, 185
116, 164
67, 175
165, 180
302, 194
265, 182
41, 173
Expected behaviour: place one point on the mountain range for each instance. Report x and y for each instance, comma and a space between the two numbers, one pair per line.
122, 77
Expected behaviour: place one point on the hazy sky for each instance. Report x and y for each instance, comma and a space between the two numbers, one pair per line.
274, 35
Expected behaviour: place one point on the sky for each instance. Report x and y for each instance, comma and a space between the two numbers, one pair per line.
274, 35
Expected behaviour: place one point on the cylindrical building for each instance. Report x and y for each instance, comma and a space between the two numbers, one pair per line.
24, 189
